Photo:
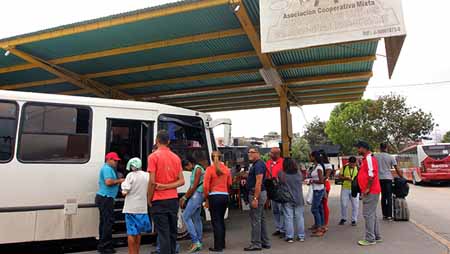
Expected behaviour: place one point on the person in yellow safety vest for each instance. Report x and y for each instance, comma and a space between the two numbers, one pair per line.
347, 174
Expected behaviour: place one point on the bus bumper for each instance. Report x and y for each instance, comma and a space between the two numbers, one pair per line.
431, 177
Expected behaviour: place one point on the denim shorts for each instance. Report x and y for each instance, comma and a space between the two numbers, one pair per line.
137, 223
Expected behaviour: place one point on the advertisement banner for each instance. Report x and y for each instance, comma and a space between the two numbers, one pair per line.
293, 24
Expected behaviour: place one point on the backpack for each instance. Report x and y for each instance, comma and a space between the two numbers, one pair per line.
401, 187
355, 186
275, 190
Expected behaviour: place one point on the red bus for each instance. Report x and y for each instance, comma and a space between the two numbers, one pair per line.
425, 163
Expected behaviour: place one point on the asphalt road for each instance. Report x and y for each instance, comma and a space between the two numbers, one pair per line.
430, 206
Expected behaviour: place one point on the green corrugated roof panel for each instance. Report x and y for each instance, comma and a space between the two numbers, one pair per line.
163, 55
318, 97
54, 88
157, 29
238, 79
185, 71
10, 60
315, 83
25, 76
357, 49
326, 70
253, 10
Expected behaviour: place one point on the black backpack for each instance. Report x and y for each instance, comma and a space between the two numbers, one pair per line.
401, 187
355, 187
275, 190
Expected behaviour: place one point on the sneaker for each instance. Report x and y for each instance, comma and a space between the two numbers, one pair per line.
366, 243
390, 219
379, 240
342, 222
353, 223
289, 240
196, 247
277, 233
301, 239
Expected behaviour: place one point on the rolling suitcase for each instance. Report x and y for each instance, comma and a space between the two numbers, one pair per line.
401, 211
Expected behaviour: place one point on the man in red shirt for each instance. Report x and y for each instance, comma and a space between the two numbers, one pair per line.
166, 175
274, 166
369, 185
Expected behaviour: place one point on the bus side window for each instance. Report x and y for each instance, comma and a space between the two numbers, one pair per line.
55, 133
8, 123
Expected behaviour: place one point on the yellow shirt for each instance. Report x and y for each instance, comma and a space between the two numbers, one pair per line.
349, 172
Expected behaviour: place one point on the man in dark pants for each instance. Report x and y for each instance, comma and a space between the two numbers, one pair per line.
257, 198
166, 175
108, 188
385, 163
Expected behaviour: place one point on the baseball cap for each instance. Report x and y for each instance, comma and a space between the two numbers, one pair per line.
134, 162
112, 156
362, 144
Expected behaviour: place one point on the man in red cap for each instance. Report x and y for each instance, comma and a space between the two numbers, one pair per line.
108, 188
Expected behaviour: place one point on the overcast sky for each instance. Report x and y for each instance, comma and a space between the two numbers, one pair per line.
425, 56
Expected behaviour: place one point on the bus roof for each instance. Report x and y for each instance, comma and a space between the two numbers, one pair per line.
95, 102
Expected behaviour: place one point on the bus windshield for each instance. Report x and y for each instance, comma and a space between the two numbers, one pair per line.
187, 137
437, 152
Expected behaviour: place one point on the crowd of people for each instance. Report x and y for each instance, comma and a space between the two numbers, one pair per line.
153, 194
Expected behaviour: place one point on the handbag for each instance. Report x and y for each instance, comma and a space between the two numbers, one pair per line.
309, 195
355, 186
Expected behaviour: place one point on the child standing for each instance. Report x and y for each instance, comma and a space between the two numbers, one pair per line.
134, 188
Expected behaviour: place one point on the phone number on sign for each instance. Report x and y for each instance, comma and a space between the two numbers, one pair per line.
382, 31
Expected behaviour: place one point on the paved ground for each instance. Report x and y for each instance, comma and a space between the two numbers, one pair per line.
429, 205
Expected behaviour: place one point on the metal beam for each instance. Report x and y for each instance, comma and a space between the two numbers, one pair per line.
245, 95
328, 86
181, 63
327, 62
219, 88
131, 49
109, 22
221, 101
90, 85
331, 78
211, 96
273, 104
256, 99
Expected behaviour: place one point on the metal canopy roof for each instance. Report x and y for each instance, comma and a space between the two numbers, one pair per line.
195, 54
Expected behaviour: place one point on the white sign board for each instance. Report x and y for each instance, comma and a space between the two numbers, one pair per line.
293, 24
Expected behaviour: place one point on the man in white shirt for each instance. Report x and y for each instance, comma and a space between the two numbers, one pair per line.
386, 163
134, 188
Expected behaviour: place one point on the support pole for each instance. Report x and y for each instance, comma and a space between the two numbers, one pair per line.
286, 124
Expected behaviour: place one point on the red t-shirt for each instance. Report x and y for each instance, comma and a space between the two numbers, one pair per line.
215, 183
167, 167
369, 169
274, 167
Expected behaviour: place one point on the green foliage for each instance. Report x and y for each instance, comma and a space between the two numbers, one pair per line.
387, 119
300, 149
265, 157
315, 133
446, 138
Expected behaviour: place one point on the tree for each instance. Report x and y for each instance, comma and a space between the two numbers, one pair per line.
315, 133
387, 119
446, 138
300, 149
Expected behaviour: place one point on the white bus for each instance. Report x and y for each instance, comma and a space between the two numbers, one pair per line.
52, 148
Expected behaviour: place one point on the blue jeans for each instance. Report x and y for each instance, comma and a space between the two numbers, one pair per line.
192, 217
294, 219
317, 208
277, 209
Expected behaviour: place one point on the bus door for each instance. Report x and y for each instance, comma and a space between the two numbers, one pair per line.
129, 139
